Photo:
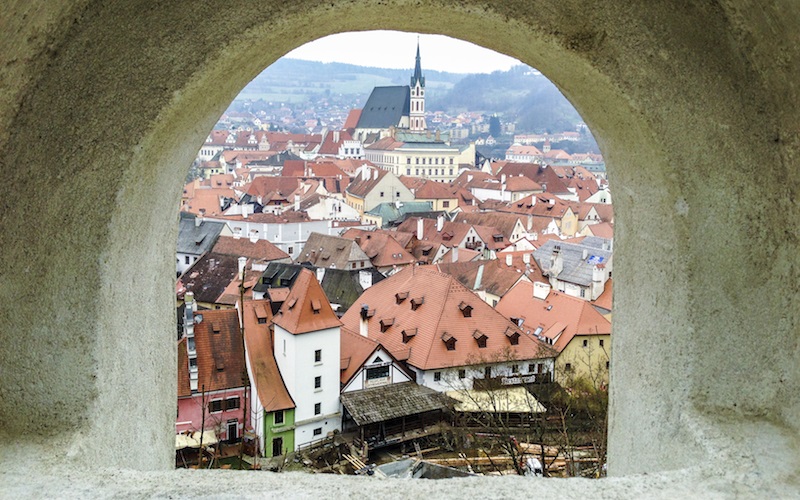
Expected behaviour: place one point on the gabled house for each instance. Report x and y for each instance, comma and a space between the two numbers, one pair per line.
307, 351
574, 329
372, 187
366, 364
196, 236
333, 252
258, 252
211, 374
272, 407
546, 207
577, 269
443, 332
383, 250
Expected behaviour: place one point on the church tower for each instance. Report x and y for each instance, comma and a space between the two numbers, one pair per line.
417, 100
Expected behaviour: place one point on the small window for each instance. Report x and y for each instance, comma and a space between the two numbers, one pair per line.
290, 250
585, 343
568, 367
381, 194
362, 263
531, 368
462, 373
318, 431
232, 403
353, 265
437, 376
608, 364
186, 260
446, 204
378, 372
487, 372
278, 417
318, 356
317, 408
397, 194
193, 362
317, 382
215, 406
602, 342
514, 368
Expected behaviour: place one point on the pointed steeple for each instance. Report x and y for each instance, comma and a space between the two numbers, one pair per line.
418, 71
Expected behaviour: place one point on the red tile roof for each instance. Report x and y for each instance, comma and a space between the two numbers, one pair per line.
306, 309
557, 314
220, 358
354, 351
267, 378
433, 311
261, 250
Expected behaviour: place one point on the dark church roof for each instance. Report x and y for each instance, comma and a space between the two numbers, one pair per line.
385, 107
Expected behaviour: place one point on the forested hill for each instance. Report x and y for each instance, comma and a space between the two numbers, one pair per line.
521, 94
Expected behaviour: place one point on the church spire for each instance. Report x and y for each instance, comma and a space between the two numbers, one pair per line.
418, 78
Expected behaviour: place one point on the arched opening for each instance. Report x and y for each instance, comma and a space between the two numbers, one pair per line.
119, 97
288, 97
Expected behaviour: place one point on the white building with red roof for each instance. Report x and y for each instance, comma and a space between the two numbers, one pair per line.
307, 352
444, 333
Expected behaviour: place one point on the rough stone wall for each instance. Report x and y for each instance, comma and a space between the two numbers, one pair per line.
103, 105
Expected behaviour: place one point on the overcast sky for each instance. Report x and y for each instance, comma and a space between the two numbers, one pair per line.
395, 49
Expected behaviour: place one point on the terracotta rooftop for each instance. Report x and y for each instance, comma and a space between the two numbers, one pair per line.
261, 250
559, 316
267, 379
306, 308
434, 306
218, 342
381, 248
492, 276
322, 250
354, 351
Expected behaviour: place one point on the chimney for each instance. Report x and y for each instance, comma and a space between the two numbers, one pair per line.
363, 326
336, 136
365, 279
375, 174
297, 203
530, 220
364, 173
503, 179
242, 264
320, 274
420, 229
198, 221
455, 254
469, 177
244, 211
585, 254
439, 223
540, 290
509, 260
526, 258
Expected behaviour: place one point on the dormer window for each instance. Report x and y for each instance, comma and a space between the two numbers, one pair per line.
513, 336
291, 302
386, 323
215, 327
409, 334
316, 306
466, 309
480, 338
415, 303
449, 341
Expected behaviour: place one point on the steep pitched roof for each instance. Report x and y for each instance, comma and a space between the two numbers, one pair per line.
540, 174
266, 377
208, 277
354, 351
559, 316
384, 108
361, 187
493, 276
197, 236
578, 259
306, 309
504, 222
260, 250
220, 358
381, 247
440, 311
602, 230
333, 252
